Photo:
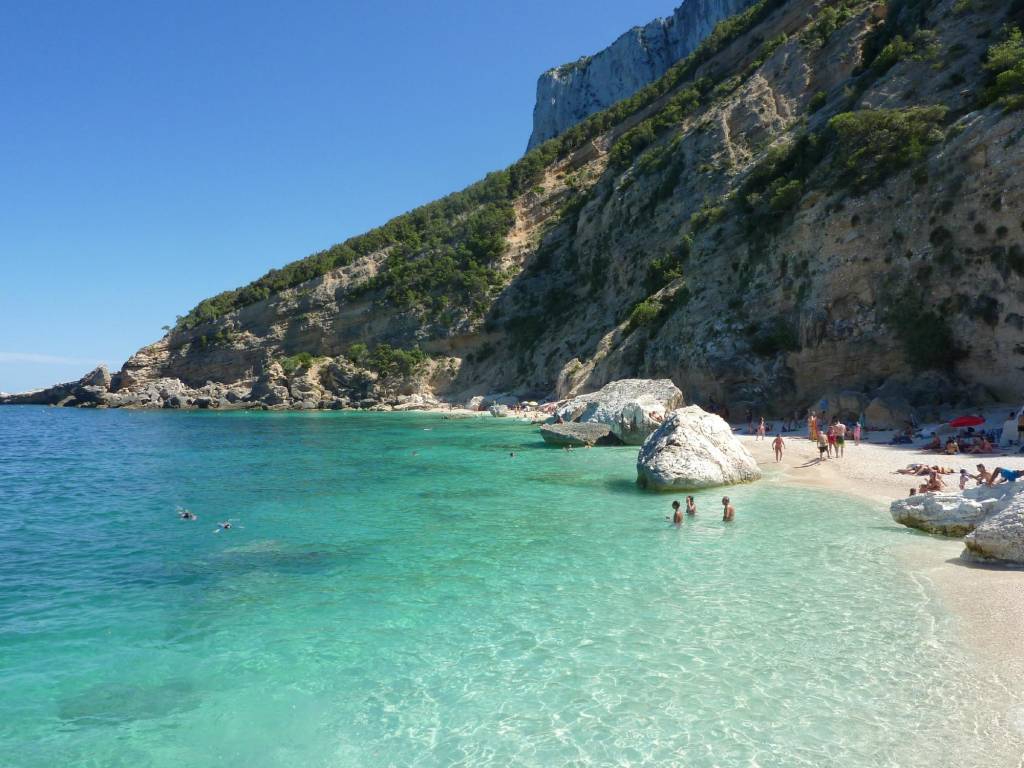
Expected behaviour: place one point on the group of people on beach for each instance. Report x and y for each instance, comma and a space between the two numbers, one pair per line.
962, 444
728, 510
934, 481
831, 440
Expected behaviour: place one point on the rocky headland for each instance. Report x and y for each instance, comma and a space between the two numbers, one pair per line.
820, 200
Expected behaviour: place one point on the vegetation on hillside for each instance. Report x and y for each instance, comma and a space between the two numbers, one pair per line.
444, 236
875, 143
1005, 65
388, 361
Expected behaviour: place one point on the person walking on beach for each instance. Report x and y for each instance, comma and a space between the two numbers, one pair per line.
822, 446
778, 444
728, 510
831, 437
691, 506
761, 429
856, 433
840, 438
677, 513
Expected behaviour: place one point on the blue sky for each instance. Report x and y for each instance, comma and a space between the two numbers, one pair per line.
155, 153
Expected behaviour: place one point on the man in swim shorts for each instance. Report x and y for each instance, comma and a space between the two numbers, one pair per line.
1003, 475
840, 438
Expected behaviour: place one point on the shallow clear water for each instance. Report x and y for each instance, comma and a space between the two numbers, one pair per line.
398, 590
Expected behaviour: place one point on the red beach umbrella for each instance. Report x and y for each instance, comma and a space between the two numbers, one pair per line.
966, 421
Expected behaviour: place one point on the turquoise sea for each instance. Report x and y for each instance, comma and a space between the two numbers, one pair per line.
397, 590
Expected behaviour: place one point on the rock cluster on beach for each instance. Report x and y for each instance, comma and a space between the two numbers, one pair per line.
631, 408
694, 449
990, 518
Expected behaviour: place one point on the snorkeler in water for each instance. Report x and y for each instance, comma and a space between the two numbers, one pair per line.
225, 526
184, 514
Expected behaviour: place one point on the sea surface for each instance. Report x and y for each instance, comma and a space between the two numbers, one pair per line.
399, 590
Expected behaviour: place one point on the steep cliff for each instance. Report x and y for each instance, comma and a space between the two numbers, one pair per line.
569, 93
822, 197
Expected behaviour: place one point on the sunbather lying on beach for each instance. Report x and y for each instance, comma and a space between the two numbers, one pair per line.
1003, 475
913, 469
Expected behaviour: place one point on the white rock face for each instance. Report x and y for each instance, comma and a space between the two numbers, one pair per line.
999, 537
569, 93
949, 514
694, 449
990, 518
631, 408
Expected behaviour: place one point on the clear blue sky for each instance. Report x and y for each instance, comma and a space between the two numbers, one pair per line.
155, 153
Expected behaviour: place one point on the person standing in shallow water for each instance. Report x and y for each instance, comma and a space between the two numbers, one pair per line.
728, 510
691, 506
677, 513
778, 444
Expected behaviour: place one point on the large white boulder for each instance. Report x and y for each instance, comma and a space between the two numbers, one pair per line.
631, 408
694, 449
951, 513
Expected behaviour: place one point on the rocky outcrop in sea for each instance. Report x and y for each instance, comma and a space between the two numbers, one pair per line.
571, 92
631, 408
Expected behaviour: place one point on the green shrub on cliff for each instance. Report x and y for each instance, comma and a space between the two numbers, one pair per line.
924, 331
872, 144
1005, 64
644, 313
297, 362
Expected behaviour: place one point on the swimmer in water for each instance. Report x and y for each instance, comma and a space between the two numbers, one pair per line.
225, 526
728, 510
691, 506
185, 514
677, 513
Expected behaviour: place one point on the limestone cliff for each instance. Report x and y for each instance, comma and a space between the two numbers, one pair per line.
821, 198
571, 92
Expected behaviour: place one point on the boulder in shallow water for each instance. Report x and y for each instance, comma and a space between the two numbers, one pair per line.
578, 435
693, 449
631, 408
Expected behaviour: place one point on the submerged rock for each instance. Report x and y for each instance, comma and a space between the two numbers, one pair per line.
578, 434
694, 449
631, 408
